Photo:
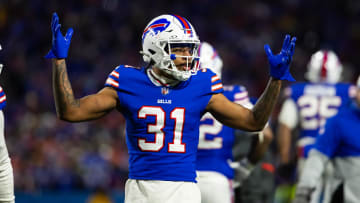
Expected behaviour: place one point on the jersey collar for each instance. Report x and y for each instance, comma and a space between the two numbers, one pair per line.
160, 81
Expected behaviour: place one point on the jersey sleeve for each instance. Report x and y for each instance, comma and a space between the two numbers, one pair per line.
352, 91
2, 98
289, 114
329, 137
216, 85
113, 78
241, 96
287, 92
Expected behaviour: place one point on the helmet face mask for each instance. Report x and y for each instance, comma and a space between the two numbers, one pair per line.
324, 66
163, 34
191, 60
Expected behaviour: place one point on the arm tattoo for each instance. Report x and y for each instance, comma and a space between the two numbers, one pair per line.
63, 93
267, 101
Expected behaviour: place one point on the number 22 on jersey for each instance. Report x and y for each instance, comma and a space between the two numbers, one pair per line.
177, 114
210, 129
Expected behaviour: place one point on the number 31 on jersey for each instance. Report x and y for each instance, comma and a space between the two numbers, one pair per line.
178, 114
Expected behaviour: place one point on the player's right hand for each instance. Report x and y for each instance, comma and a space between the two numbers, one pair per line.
60, 44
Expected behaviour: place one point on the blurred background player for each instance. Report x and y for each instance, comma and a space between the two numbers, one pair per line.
307, 107
6, 170
259, 184
339, 143
215, 172
163, 106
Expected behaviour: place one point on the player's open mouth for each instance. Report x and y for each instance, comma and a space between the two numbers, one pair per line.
183, 67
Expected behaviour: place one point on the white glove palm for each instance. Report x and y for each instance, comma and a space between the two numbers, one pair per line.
242, 171
303, 195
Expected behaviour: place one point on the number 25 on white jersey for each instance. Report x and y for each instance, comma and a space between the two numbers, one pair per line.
314, 110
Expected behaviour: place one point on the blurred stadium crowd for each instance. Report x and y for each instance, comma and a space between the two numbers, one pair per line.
50, 154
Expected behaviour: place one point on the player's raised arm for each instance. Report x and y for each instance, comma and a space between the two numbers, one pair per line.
279, 70
67, 107
237, 116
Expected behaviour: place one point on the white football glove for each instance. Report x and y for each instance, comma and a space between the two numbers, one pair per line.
303, 195
242, 171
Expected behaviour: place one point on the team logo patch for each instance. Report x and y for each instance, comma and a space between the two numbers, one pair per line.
164, 90
156, 27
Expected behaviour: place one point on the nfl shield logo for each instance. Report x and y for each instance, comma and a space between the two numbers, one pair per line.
164, 90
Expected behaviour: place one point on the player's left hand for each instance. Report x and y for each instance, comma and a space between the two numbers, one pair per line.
279, 64
303, 195
60, 44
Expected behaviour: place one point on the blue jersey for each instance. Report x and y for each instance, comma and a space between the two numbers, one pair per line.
338, 142
316, 102
162, 123
2, 98
341, 137
216, 140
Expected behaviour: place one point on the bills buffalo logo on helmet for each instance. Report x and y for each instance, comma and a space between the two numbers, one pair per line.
156, 27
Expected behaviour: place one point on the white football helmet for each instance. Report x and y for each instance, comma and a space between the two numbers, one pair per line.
209, 58
165, 32
324, 66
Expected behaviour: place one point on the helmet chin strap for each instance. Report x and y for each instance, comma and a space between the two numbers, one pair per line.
163, 77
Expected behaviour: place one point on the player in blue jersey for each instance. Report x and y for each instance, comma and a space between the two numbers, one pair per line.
214, 163
6, 170
163, 104
309, 104
340, 144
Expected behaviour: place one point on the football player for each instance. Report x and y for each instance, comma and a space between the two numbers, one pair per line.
6, 170
162, 104
309, 104
214, 163
340, 144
